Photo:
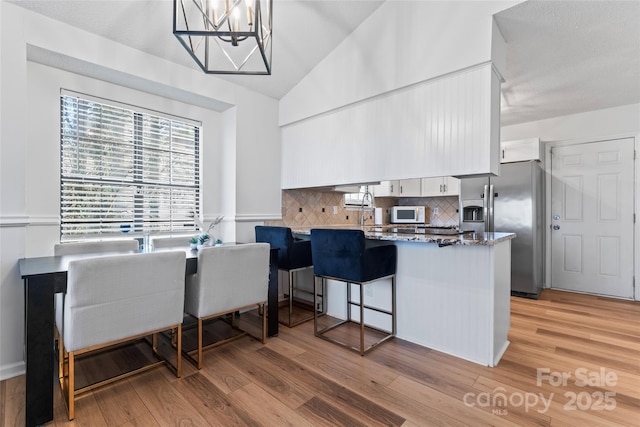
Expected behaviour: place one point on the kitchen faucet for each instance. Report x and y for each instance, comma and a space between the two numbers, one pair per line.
367, 194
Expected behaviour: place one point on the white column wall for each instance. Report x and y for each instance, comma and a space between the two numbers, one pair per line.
29, 139
259, 162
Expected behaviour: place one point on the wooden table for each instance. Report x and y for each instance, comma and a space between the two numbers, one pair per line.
45, 276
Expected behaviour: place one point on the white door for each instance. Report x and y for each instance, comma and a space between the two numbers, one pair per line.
592, 217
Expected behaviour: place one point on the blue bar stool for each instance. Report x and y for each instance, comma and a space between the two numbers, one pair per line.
294, 256
345, 256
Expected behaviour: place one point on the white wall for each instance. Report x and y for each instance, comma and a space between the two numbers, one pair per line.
38, 56
600, 123
369, 95
258, 161
400, 44
447, 126
589, 126
13, 216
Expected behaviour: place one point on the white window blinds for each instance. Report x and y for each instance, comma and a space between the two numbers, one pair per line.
125, 171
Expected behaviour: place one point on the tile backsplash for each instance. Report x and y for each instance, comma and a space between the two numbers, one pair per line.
308, 207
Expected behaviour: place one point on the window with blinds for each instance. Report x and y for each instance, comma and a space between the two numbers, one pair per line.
125, 171
356, 199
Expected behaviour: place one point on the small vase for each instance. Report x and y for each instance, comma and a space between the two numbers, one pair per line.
194, 246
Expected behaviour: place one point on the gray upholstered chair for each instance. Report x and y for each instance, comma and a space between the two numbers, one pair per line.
346, 256
171, 242
229, 279
114, 299
89, 247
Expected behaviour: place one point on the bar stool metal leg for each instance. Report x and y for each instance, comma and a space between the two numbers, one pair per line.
359, 348
361, 319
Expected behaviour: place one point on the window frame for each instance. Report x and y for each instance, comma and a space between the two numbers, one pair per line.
358, 198
162, 183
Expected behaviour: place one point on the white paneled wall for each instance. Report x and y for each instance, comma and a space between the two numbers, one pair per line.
400, 44
459, 311
441, 127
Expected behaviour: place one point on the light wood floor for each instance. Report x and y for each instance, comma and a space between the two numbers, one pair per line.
297, 379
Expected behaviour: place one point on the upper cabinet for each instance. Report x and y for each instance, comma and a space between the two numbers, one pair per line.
521, 150
407, 187
398, 188
425, 187
441, 186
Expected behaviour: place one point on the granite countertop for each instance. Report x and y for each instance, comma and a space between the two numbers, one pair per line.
390, 233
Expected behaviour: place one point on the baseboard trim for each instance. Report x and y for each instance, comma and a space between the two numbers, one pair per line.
13, 370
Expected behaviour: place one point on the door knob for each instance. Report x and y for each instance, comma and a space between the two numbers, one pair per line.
556, 227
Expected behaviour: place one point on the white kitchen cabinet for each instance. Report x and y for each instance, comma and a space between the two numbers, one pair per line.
383, 189
521, 150
432, 186
440, 186
408, 187
439, 127
398, 188
451, 186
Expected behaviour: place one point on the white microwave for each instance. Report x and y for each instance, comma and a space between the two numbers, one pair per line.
407, 215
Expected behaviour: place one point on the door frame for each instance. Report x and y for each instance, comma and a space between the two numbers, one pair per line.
547, 220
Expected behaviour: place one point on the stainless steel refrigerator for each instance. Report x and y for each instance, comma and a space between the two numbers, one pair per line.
512, 202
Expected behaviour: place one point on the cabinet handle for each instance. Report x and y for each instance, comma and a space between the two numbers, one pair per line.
401, 189
445, 188
503, 154
392, 188
441, 188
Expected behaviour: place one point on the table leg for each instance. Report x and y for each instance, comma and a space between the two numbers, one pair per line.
39, 318
272, 308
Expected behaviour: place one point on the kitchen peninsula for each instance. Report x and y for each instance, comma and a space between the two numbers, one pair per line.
452, 290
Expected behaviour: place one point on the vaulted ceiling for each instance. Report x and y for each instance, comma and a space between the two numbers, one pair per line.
563, 57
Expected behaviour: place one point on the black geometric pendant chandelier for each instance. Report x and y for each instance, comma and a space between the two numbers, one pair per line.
226, 36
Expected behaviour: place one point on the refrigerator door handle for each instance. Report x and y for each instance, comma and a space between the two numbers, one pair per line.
485, 207
490, 204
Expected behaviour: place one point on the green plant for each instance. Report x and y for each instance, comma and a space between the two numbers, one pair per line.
203, 238
194, 241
